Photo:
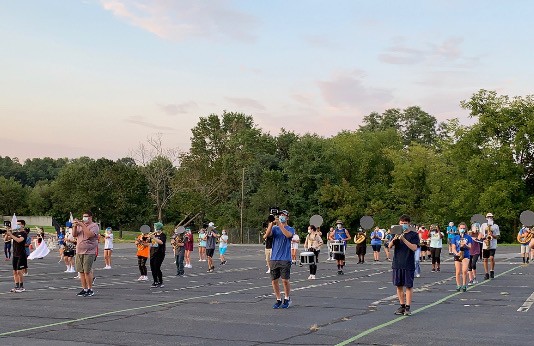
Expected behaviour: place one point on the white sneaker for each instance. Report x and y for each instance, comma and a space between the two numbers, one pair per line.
417, 275
141, 278
146, 278
268, 271
77, 277
312, 277
67, 271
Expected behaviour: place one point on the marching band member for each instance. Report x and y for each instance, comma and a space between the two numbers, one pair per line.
268, 249
178, 244
387, 239
157, 254
461, 245
143, 251
424, 237
295, 241
70, 249
451, 233
523, 237
360, 239
474, 253
223, 246
403, 264
490, 233
211, 241
313, 243
329, 236
188, 248
86, 233
340, 234
376, 243
202, 245
436, 244
20, 261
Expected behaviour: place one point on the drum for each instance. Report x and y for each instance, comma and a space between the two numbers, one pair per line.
307, 257
337, 247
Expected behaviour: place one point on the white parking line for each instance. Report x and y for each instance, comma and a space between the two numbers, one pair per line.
527, 304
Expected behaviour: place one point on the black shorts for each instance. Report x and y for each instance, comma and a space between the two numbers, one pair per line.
280, 269
488, 253
20, 263
70, 253
339, 256
210, 252
376, 247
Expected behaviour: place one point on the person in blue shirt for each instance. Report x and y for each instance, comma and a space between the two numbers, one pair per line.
451, 233
376, 243
403, 264
461, 244
341, 235
280, 263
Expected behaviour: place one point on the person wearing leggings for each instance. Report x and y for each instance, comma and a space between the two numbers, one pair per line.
143, 251
7, 247
313, 243
157, 254
436, 243
475, 254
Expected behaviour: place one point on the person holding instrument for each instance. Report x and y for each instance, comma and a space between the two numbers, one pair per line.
281, 256
360, 239
313, 243
20, 259
340, 234
157, 254
143, 251
460, 247
403, 264
490, 233
86, 232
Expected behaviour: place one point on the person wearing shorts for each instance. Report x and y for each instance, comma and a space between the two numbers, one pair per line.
280, 263
211, 241
489, 231
403, 264
223, 246
20, 259
376, 243
108, 247
523, 239
340, 234
268, 250
86, 232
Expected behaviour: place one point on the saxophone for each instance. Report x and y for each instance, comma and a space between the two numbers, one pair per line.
489, 236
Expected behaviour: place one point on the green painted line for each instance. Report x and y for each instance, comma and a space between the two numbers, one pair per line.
398, 319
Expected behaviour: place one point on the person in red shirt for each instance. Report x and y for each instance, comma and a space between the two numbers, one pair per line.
424, 236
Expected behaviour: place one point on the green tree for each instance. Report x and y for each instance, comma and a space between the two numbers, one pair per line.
13, 197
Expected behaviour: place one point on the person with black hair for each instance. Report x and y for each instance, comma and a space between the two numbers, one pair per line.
20, 259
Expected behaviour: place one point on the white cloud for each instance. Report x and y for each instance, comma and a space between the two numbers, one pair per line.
139, 120
180, 20
181, 108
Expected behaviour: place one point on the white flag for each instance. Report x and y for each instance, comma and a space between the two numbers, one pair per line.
41, 251
14, 221
71, 219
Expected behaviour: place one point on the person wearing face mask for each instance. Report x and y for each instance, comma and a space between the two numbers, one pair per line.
460, 246
436, 244
223, 245
313, 243
202, 245
20, 259
340, 234
490, 233
280, 256
157, 254
86, 232
452, 231
474, 253
188, 248
403, 264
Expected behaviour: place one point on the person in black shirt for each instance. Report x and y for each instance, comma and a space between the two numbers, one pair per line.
157, 254
20, 261
268, 248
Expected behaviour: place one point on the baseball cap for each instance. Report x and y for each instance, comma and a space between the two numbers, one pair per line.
158, 226
339, 221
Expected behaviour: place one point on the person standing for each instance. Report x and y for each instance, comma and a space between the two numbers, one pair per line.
490, 233
157, 254
341, 235
61, 243
211, 241
268, 249
313, 243
330, 235
108, 247
360, 239
436, 244
403, 264
280, 264
223, 246
451, 233
295, 241
387, 239
461, 245
178, 243
474, 253
188, 247
20, 259
86, 233
143, 251
70, 249
7, 246
202, 245
376, 243
523, 237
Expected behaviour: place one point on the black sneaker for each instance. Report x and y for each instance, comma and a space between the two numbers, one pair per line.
486, 277
492, 274
81, 293
154, 285
400, 311
407, 311
89, 293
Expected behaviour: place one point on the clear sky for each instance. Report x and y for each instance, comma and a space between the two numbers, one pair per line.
97, 77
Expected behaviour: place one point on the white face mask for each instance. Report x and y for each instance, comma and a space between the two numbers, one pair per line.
85, 219
339, 226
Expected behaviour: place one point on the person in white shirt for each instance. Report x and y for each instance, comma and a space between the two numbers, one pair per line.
223, 245
294, 247
490, 233
108, 247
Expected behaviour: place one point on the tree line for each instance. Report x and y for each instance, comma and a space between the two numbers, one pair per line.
399, 161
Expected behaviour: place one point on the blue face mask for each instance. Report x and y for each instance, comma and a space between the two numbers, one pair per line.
462, 230
282, 219
405, 227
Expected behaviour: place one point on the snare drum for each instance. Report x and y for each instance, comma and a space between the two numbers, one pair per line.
307, 257
337, 247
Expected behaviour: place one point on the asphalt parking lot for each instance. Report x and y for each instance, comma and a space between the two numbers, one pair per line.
233, 305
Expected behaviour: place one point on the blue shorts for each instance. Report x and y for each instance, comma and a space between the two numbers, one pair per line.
403, 277
222, 250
